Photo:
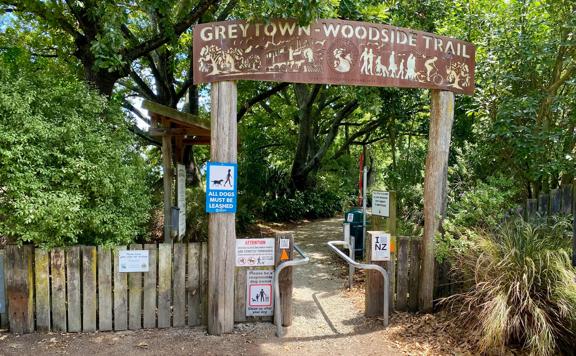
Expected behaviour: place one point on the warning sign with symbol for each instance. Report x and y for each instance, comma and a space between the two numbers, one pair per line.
259, 293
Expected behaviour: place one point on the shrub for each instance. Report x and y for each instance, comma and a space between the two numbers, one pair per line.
70, 171
308, 204
196, 216
524, 289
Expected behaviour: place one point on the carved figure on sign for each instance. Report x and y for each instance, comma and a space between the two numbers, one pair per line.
392, 67
430, 66
367, 59
458, 74
380, 68
411, 67
213, 60
342, 64
401, 70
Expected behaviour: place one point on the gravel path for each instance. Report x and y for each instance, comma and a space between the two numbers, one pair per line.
324, 319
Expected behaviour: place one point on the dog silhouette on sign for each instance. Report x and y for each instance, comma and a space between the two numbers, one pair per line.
217, 182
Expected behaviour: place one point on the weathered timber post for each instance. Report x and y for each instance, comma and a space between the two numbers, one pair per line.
285, 279
221, 226
167, 167
441, 119
374, 295
20, 288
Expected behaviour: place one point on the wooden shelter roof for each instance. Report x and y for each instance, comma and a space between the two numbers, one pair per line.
191, 129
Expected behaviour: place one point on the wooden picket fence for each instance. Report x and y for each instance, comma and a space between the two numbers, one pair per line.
557, 201
81, 289
405, 274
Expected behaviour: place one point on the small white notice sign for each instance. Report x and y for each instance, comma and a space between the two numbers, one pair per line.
284, 243
381, 203
380, 245
134, 261
254, 252
259, 296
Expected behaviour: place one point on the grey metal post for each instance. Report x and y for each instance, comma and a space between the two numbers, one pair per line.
332, 245
352, 250
279, 268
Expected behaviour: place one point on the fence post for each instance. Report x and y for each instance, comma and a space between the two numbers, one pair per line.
20, 288
414, 274
374, 283
285, 252
402, 277
555, 201
543, 204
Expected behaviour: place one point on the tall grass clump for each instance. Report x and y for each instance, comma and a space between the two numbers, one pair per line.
523, 291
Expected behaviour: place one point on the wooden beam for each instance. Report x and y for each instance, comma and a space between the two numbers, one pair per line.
197, 141
221, 226
174, 114
178, 131
435, 182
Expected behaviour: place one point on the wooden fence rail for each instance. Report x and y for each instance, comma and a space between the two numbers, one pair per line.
80, 288
558, 201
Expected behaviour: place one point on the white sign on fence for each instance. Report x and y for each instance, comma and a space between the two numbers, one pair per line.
254, 252
181, 198
134, 261
380, 245
381, 203
259, 296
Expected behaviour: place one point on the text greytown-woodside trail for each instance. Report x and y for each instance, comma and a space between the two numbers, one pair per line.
332, 52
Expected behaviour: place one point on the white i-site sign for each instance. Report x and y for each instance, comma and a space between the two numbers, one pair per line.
380, 245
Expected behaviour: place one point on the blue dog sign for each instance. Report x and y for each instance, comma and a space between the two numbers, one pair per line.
221, 187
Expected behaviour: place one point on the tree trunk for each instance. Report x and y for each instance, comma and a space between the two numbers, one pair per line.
441, 119
299, 173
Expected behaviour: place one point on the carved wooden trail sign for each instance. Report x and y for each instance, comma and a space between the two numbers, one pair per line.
332, 52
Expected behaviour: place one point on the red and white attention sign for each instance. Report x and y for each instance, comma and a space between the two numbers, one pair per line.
254, 252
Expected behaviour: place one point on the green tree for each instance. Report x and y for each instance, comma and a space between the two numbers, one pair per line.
70, 170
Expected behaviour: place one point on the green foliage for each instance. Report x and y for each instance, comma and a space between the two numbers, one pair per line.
308, 204
70, 171
196, 216
485, 204
523, 292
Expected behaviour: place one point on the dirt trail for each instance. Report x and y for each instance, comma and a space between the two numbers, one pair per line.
325, 321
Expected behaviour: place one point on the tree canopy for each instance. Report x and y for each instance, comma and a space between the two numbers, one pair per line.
70, 170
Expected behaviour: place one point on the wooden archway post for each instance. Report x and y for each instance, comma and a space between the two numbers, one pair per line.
221, 226
435, 182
